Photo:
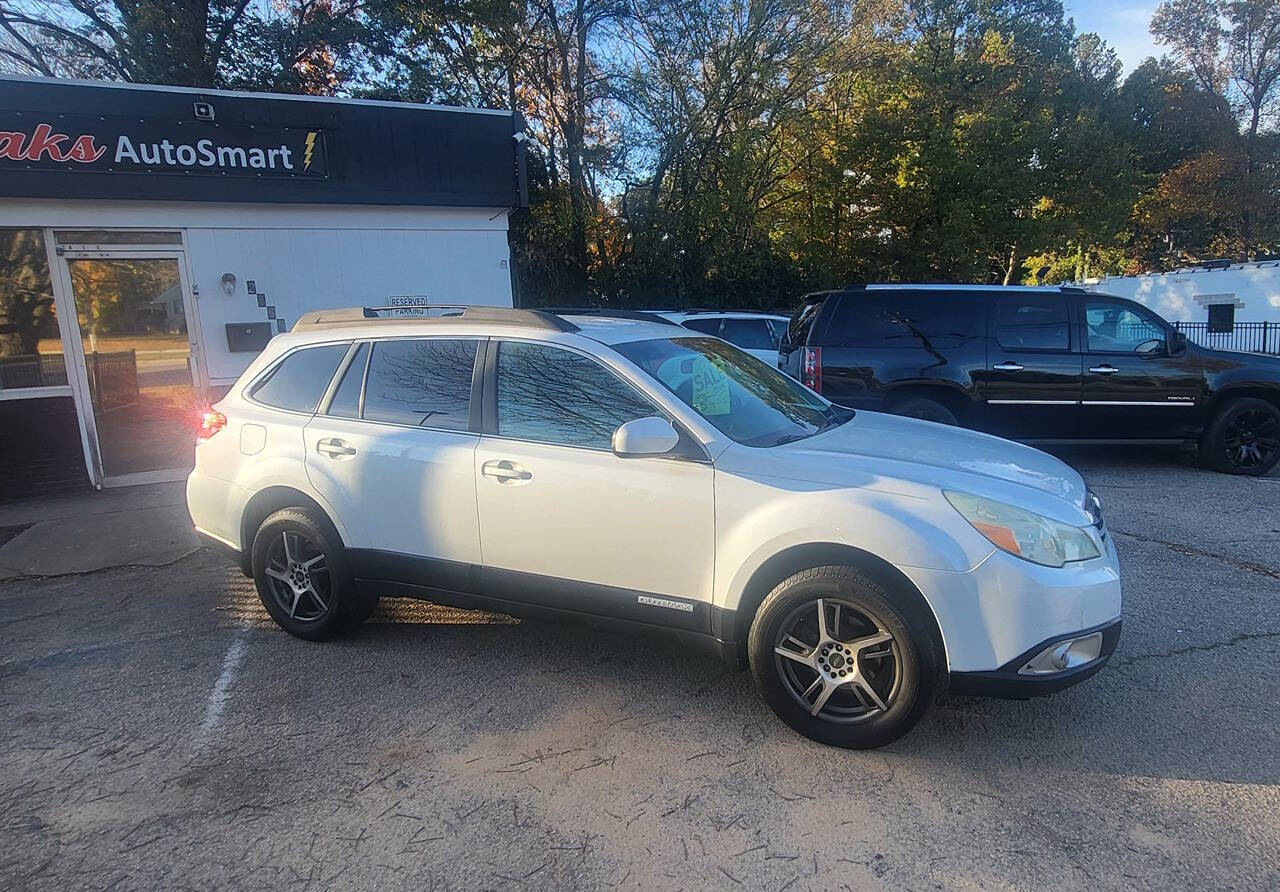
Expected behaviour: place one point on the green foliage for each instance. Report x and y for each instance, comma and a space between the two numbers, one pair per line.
739, 152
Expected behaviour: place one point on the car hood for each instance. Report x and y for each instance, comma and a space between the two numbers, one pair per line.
877, 450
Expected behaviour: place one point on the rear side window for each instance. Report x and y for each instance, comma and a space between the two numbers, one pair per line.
298, 383
422, 383
749, 334
346, 400
930, 320
1031, 322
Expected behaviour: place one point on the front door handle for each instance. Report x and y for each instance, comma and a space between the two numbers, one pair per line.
334, 448
504, 471
1007, 366
1104, 369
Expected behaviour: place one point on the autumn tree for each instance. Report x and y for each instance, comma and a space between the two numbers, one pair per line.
1229, 52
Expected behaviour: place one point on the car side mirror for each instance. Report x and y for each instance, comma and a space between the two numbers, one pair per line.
645, 436
1151, 347
1177, 343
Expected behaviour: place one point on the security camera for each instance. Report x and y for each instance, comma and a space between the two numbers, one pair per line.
204, 111
519, 137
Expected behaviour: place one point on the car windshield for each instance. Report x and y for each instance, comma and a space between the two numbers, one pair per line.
744, 398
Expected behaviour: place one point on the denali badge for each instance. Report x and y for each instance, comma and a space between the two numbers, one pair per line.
665, 602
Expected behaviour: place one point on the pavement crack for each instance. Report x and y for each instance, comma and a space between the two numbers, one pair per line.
1192, 551
29, 577
1196, 648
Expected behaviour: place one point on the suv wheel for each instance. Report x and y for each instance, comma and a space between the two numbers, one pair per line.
1243, 438
925, 409
838, 662
300, 571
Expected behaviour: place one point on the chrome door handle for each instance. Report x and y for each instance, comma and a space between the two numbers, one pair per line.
1007, 367
504, 470
1104, 370
334, 447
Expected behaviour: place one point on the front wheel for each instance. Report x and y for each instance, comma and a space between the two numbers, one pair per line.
1243, 438
838, 661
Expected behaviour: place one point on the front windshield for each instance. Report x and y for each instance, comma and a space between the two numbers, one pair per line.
744, 398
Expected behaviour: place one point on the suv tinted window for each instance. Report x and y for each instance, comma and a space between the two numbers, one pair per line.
1031, 322
706, 326
1114, 328
894, 318
424, 383
802, 322
556, 396
298, 383
749, 334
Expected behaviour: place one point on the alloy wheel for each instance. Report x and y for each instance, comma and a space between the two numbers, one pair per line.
1251, 438
298, 577
837, 661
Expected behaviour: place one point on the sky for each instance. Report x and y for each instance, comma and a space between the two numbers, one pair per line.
1122, 25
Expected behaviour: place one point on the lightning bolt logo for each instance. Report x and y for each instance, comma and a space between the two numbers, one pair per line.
311, 146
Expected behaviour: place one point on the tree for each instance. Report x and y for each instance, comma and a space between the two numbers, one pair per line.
291, 47
26, 294
1231, 51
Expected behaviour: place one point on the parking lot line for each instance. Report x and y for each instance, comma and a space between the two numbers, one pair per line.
221, 689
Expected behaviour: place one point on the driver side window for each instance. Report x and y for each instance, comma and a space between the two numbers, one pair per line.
557, 396
1115, 328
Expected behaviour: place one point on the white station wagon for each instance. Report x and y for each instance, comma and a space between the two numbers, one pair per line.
643, 477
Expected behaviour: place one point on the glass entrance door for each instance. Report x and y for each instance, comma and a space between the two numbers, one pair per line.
137, 362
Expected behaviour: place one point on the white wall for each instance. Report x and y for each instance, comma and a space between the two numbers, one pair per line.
1254, 288
305, 257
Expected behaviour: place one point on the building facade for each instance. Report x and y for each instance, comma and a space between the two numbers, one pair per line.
153, 239
1233, 306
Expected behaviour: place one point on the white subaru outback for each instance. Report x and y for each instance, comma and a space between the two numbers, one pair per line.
639, 476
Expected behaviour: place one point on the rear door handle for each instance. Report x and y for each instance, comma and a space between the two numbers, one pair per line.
334, 448
1007, 367
1104, 369
504, 470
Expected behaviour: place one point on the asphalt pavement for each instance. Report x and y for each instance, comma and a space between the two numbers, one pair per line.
156, 731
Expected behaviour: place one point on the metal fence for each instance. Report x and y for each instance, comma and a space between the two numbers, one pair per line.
46, 370
113, 379
1251, 337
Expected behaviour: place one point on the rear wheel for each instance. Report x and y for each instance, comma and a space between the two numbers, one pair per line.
1243, 438
838, 661
301, 575
925, 409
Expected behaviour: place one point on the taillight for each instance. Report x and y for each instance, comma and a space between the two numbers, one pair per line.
210, 423
811, 368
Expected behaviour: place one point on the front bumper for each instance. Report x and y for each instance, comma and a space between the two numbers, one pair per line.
1009, 683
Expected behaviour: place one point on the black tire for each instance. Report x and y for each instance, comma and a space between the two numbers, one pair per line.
1242, 438
366, 605
925, 409
839, 722
313, 539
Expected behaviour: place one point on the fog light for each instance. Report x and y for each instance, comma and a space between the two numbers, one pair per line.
1065, 655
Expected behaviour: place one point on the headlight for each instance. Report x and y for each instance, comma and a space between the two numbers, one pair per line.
1029, 536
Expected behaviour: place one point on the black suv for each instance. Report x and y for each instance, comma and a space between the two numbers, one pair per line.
1041, 364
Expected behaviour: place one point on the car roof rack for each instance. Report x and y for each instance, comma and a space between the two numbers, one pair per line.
610, 313
464, 314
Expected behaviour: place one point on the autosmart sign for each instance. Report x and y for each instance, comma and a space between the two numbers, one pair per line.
123, 145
